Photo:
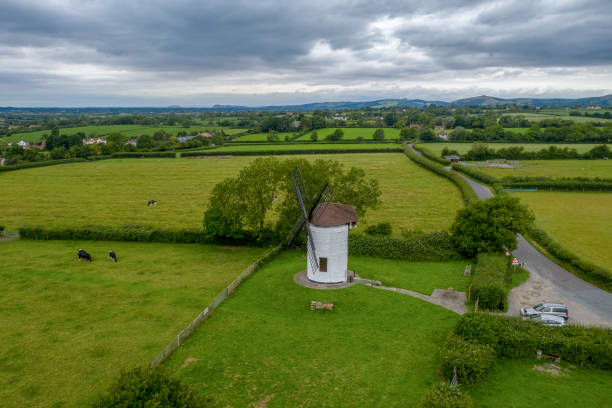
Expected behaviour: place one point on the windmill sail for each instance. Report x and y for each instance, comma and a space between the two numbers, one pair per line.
312, 258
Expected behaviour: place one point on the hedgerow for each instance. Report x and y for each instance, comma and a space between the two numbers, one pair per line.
431, 156
472, 361
140, 155
435, 246
291, 152
475, 174
39, 164
442, 395
514, 338
489, 279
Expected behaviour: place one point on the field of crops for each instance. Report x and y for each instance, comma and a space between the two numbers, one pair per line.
436, 148
554, 169
264, 347
115, 192
579, 221
68, 328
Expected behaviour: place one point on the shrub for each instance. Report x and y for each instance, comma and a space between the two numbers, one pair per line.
39, 164
1, 228
488, 280
472, 360
442, 395
382, 228
512, 337
149, 387
435, 246
425, 152
475, 174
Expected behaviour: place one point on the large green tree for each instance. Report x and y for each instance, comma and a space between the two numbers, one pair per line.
490, 225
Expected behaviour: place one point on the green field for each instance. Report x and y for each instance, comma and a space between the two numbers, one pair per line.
115, 192
354, 133
534, 117
516, 384
132, 131
581, 222
436, 148
262, 137
68, 328
264, 347
308, 146
554, 169
422, 277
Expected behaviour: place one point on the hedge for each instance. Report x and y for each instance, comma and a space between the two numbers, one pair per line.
475, 174
442, 395
489, 279
435, 246
473, 361
514, 338
122, 155
597, 274
469, 196
39, 164
291, 152
430, 155
562, 185
299, 142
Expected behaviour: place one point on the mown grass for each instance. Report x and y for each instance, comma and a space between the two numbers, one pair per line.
437, 148
115, 192
535, 117
262, 137
310, 146
68, 328
264, 347
554, 169
422, 277
516, 384
579, 221
132, 131
354, 133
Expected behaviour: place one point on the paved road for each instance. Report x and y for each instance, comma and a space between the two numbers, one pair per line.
587, 304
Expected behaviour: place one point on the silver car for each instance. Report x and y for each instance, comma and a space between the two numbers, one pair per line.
548, 320
556, 309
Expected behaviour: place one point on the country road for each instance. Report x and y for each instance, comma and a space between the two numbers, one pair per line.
549, 282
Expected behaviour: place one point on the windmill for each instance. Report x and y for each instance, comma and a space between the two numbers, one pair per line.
327, 225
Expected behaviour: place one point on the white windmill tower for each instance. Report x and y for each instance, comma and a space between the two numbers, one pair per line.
327, 226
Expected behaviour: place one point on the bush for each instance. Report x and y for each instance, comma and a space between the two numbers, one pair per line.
488, 280
167, 155
425, 152
435, 246
472, 360
149, 387
1, 228
469, 196
442, 395
39, 164
382, 228
475, 174
514, 338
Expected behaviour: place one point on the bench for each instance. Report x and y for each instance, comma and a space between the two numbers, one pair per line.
450, 292
468, 270
314, 305
551, 357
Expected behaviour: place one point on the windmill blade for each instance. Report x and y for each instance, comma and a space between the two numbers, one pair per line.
318, 206
296, 178
312, 253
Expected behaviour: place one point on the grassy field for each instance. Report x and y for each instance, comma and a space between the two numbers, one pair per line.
131, 131
264, 347
515, 384
262, 137
422, 277
68, 328
115, 192
354, 133
534, 117
554, 169
436, 148
308, 146
581, 222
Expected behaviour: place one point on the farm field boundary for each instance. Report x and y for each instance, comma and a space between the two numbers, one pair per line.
184, 334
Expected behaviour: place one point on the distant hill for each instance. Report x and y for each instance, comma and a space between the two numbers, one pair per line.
381, 103
542, 102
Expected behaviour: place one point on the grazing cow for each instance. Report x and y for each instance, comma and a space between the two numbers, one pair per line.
112, 255
152, 203
82, 254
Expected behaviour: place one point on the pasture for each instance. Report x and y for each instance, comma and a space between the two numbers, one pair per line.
354, 133
554, 169
462, 148
115, 192
515, 383
264, 347
535, 117
262, 137
68, 328
307, 146
580, 221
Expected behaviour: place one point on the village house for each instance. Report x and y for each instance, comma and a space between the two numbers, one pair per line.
131, 142
183, 139
442, 135
439, 127
296, 124
205, 134
23, 144
33, 126
415, 125
14, 127
94, 140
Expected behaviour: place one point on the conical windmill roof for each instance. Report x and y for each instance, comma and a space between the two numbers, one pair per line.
333, 214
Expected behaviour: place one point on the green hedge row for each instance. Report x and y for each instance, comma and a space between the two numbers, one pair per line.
475, 174
435, 246
473, 361
469, 196
563, 185
299, 142
39, 164
442, 395
430, 155
291, 152
489, 278
514, 338
600, 275
141, 155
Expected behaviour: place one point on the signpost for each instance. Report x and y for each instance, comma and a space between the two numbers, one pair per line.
515, 262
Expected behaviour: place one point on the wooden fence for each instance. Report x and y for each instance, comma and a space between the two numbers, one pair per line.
184, 334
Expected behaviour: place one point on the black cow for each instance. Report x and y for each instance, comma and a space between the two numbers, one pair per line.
152, 203
82, 254
112, 255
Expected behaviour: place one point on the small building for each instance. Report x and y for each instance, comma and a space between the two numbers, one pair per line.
94, 140
205, 134
33, 126
14, 127
338, 117
23, 144
39, 145
453, 158
132, 142
442, 135
415, 125
439, 127
296, 124
183, 139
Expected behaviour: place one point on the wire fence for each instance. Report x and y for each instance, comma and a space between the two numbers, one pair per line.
184, 334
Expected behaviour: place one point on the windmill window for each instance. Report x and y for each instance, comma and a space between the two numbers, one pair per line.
322, 264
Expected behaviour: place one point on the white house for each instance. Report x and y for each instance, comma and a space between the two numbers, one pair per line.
94, 140
23, 144
330, 225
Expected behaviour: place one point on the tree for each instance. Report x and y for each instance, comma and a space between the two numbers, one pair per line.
116, 138
379, 134
314, 136
149, 387
337, 135
408, 134
272, 136
490, 225
427, 135
144, 142
58, 153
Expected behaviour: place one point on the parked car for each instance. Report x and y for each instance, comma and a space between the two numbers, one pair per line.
548, 320
557, 309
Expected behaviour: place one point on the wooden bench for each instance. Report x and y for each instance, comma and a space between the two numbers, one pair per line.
450, 292
468, 270
551, 357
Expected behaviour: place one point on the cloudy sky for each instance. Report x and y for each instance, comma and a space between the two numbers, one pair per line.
206, 52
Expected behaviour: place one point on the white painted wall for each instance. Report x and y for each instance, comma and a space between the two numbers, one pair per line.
330, 243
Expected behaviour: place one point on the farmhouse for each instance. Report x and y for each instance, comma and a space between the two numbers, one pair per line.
13, 127
439, 127
442, 135
205, 134
23, 144
94, 140
415, 125
296, 124
132, 142
183, 139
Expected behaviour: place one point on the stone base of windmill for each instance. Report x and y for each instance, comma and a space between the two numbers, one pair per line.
301, 279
